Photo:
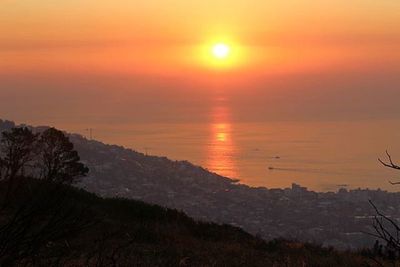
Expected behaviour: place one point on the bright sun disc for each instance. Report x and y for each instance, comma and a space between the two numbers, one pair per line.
220, 51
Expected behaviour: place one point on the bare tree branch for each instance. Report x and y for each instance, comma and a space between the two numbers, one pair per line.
389, 163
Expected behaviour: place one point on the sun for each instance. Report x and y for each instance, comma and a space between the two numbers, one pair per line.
221, 51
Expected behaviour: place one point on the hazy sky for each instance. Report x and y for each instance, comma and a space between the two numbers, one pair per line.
147, 60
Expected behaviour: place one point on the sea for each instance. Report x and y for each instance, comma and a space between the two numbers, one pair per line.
322, 156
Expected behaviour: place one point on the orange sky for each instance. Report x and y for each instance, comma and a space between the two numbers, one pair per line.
144, 60
120, 65
166, 37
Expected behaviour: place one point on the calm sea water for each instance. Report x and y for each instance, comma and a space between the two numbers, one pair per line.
320, 155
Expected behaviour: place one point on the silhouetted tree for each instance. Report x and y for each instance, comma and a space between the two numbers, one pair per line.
37, 213
16, 151
387, 228
49, 155
58, 161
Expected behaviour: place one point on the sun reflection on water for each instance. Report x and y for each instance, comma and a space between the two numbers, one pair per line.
221, 152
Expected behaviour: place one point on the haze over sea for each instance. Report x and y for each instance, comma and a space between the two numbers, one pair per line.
321, 156
322, 135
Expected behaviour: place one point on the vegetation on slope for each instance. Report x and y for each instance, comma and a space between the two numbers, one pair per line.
49, 224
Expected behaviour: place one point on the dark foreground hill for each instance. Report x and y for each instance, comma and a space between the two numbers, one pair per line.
45, 224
